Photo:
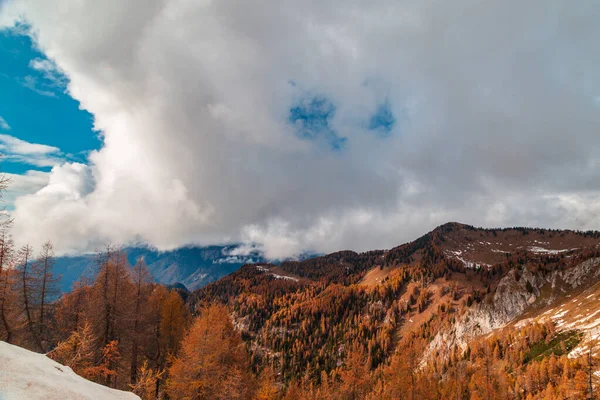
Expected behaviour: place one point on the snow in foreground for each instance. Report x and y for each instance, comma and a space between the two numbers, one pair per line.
28, 375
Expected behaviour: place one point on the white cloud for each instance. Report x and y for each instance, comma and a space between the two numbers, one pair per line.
17, 150
243, 250
40, 161
496, 121
31, 82
23, 184
4, 125
13, 145
49, 71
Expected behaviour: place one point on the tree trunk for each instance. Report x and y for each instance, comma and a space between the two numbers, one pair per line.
43, 297
7, 327
590, 374
134, 342
5, 289
26, 295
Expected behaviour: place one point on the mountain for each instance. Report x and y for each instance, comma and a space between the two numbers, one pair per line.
460, 312
193, 267
447, 291
29, 375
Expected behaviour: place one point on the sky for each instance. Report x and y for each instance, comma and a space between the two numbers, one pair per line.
296, 126
40, 125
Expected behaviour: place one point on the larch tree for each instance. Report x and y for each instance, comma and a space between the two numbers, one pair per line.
484, 384
7, 283
101, 308
142, 285
70, 311
173, 323
403, 374
168, 320
27, 282
107, 369
267, 387
591, 367
154, 351
77, 351
211, 352
7, 304
146, 381
109, 309
355, 375
46, 289
454, 386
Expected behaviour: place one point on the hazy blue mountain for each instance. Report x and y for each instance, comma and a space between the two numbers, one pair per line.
193, 267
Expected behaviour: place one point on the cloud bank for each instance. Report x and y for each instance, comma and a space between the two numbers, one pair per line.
318, 125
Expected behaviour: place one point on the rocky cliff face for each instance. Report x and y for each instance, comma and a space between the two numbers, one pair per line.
515, 294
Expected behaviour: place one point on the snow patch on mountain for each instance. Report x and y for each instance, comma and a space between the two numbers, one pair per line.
285, 277
542, 250
276, 276
456, 254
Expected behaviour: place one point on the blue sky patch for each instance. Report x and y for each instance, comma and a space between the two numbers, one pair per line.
312, 121
383, 121
35, 108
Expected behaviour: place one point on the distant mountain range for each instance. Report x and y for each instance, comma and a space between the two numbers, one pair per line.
191, 266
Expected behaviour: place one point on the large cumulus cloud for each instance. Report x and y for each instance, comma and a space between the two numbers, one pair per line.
494, 106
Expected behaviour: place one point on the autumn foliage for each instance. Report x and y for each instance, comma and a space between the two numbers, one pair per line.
212, 362
324, 333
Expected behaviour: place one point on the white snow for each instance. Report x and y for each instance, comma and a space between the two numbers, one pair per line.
542, 250
558, 317
561, 313
456, 254
264, 269
289, 278
583, 347
28, 375
471, 264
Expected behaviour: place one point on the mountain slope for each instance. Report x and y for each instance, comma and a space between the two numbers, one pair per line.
448, 287
566, 297
28, 375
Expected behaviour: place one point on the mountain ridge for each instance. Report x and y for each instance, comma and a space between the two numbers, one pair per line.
519, 303
450, 286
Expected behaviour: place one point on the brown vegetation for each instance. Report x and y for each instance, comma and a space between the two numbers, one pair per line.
344, 326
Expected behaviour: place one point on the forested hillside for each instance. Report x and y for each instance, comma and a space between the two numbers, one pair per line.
411, 322
460, 313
